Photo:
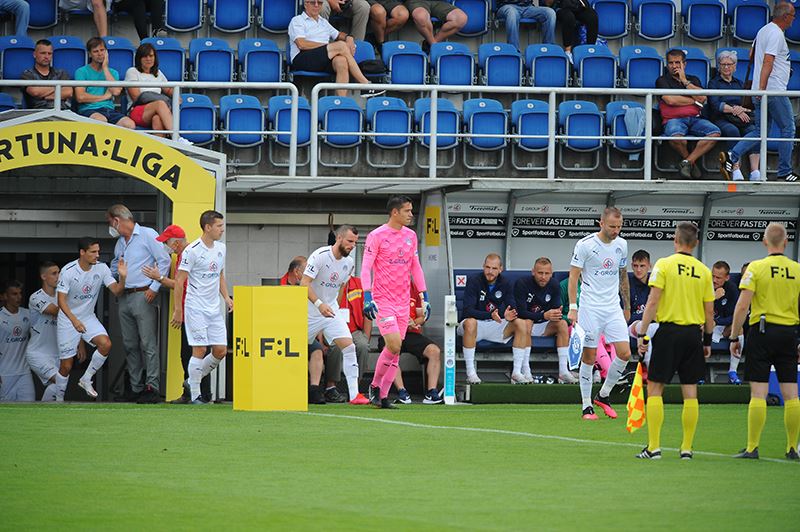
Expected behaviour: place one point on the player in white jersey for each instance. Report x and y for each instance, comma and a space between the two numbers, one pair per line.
203, 268
327, 270
42, 351
79, 286
16, 383
602, 261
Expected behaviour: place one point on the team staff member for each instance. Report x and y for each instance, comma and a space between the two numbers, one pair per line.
770, 288
294, 273
681, 299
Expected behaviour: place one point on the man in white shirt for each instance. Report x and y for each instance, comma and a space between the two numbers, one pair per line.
771, 71
317, 46
203, 264
16, 383
42, 351
601, 259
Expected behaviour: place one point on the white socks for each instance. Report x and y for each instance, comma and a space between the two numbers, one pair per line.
210, 362
195, 375
615, 371
469, 360
50, 393
61, 386
94, 365
585, 372
519, 358
734, 363
526, 362
350, 369
563, 360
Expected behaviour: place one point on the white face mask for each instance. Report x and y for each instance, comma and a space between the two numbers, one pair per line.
113, 232
167, 249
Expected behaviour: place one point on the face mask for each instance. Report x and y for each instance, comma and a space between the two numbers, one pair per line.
167, 249
113, 232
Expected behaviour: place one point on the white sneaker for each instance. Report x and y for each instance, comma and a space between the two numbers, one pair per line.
472, 378
518, 378
188, 142
528, 377
568, 378
569, 57
88, 388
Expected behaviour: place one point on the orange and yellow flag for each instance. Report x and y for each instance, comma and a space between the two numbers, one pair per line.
636, 413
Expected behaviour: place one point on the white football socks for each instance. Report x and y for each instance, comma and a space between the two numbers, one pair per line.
469, 360
61, 383
195, 370
350, 370
94, 365
519, 356
563, 360
526, 362
210, 362
586, 383
734, 363
50, 393
615, 371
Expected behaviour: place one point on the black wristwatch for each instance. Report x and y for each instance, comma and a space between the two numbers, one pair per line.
640, 335
733, 339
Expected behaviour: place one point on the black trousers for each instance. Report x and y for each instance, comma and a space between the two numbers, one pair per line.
570, 19
138, 9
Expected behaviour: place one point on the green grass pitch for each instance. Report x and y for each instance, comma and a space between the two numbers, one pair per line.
492, 467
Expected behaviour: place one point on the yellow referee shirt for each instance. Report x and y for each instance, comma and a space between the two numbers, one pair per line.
686, 284
775, 283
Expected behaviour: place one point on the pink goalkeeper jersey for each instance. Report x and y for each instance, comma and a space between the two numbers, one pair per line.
390, 260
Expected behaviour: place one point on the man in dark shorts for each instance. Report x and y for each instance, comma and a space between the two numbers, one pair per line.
43, 97
317, 46
681, 300
451, 18
770, 289
385, 17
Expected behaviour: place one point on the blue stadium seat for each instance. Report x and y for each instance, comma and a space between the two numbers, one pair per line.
340, 114
171, 56
44, 14
612, 18
484, 116
6, 102
16, 55
655, 19
500, 65
260, 60
406, 62
595, 66
448, 125
641, 66
746, 17
452, 64
233, 15
580, 118
274, 15
615, 125
794, 79
240, 112
322, 75
121, 54
183, 15
548, 65
742, 61
793, 31
703, 20
197, 114
477, 12
211, 59
279, 113
366, 52
388, 115
697, 64
528, 117
69, 54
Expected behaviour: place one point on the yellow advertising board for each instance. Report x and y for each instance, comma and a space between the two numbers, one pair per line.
433, 224
270, 348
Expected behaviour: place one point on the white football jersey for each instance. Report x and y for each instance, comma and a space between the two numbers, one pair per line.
14, 329
600, 264
82, 287
328, 274
205, 265
43, 326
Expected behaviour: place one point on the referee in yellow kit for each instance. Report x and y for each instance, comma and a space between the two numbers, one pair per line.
682, 301
770, 287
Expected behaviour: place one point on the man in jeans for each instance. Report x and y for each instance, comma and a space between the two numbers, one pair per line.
513, 10
771, 70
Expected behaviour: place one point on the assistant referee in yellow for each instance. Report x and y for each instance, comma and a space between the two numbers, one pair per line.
770, 287
682, 301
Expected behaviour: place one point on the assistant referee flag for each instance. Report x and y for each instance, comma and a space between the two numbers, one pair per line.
636, 413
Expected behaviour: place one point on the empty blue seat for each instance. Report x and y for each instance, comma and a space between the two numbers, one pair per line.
703, 20
697, 64
448, 125
389, 115
746, 17
197, 114
274, 15
406, 61
793, 31
742, 61
260, 60
171, 56
121, 54
240, 112
548, 65
529, 117
16, 55
615, 122
452, 64
641, 66
579, 118
69, 54
211, 59
231, 15
794, 79
487, 116
595, 66
340, 114
183, 15
655, 19
612, 18
477, 12
6, 102
500, 65
43, 14
280, 109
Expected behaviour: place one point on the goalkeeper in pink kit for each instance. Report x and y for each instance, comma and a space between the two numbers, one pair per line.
390, 261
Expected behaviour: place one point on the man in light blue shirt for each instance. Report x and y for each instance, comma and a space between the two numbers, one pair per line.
137, 308
97, 103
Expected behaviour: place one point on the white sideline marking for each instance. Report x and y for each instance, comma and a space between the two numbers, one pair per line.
519, 433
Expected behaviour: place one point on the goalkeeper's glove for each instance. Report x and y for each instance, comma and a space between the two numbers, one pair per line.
426, 306
370, 307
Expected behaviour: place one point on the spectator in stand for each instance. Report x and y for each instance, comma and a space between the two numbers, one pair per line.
97, 8
427, 352
43, 97
22, 14
680, 115
571, 14
640, 290
538, 300
352, 299
726, 294
490, 314
727, 112
356, 10
97, 103
386, 16
294, 274
151, 107
452, 19
139, 10
511, 11
317, 46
